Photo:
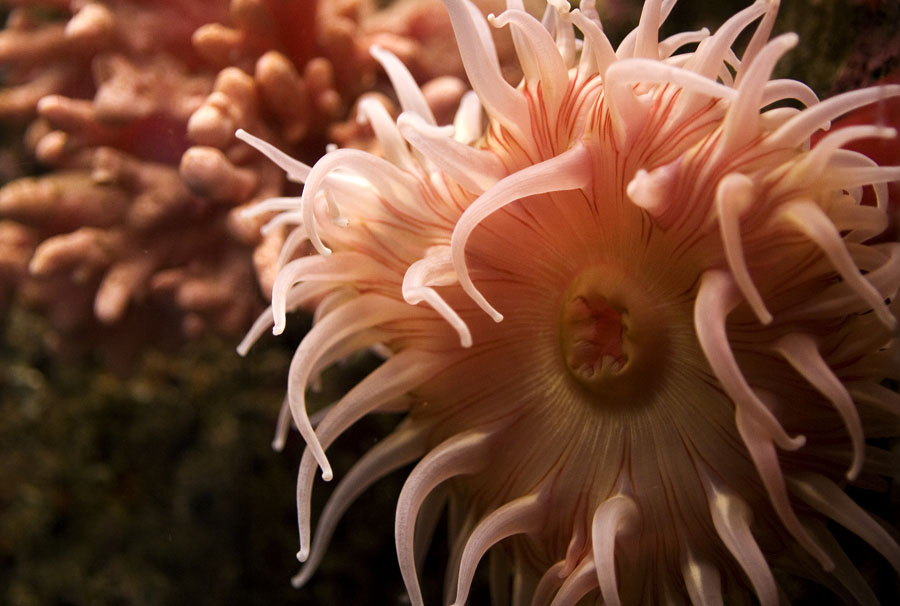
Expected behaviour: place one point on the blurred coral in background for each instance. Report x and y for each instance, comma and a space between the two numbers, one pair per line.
106, 90
122, 223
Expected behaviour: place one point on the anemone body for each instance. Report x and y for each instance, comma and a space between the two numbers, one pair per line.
640, 328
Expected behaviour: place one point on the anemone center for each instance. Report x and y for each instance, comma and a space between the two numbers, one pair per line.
610, 327
593, 334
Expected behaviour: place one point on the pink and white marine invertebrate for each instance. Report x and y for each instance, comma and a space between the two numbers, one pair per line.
639, 327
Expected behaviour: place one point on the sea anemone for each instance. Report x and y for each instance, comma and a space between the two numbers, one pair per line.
639, 327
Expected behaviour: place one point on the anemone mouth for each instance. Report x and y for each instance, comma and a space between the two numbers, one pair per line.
610, 330
593, 332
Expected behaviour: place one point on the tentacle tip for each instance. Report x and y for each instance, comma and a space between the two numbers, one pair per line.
327, 474
303, 554
278, 328
496, 316
278, 445
796, 443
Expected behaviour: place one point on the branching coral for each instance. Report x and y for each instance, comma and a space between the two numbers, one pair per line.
640, 329
116, 259
290, 72
138, 226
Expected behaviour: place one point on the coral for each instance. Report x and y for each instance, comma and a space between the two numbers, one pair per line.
295, 87
123, 252
640, 329
137, 235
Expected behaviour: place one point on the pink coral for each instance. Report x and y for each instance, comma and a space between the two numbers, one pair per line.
110, 87
295, 84
138, 226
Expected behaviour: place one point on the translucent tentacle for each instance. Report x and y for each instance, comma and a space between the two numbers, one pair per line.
802, 353
734, 195
563, 31
646, 44
762, 451
408, 92
671, 44
799, 128
296, 170
430, 514
476, 170
651, 189
395, 377
387, 132
292, 243
363, 312
520, 516
629, 111
435, 269
538, 54
499, 99
462, 454
826, 497
702, 580
777, 90
401, 447
877, 396
617, 515
731, 517
597, 45
759, 38
810, 220
346, 266
845, 572
390, 181
577, 543
817, 159
843, 298
467, 123
549, 584
742, 118
708, 57
299, 295
566, 171
716, 298
577, 585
